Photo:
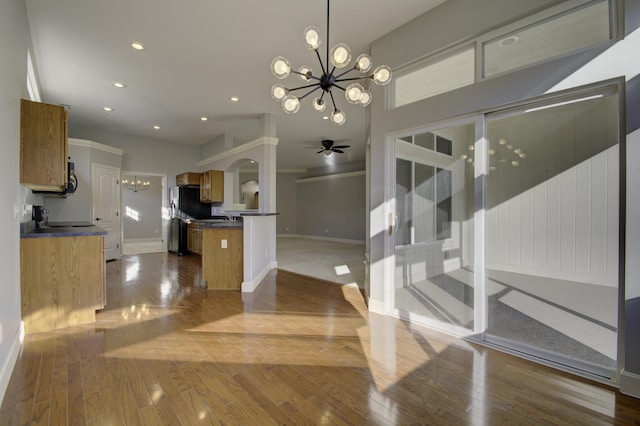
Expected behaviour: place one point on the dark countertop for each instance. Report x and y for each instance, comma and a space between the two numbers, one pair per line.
217, 223
29, 230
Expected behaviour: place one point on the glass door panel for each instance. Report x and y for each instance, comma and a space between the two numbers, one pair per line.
552, 224
434, 276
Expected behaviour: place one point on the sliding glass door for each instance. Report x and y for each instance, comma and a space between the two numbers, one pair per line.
508, 228
552, 230
434, 277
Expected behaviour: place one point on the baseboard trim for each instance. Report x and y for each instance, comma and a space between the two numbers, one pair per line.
142, 246
7, 368
250, 286
313, 237
376, 306
630, 384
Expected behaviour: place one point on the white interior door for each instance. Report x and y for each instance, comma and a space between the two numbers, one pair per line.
106, 214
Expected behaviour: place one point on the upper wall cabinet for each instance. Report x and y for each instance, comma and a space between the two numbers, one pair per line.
43, 146
188, 178
212, 186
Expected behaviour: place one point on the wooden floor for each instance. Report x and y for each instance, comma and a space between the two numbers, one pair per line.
298, 351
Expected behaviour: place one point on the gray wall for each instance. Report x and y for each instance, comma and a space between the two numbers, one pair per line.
287, 202
332, 207
148, 205
14, 42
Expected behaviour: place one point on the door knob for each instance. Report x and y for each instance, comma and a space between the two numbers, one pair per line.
98, 218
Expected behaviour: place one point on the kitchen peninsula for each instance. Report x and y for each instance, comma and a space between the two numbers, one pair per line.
237, 254
221, 251
62, 275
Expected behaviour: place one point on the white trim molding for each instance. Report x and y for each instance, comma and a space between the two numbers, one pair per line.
95, 145
250, 286
630, 384
12, 357
334, 176
265, 140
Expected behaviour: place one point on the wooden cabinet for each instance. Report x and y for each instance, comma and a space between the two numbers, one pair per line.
188, 178
222, 264
194, 238
62, 281
43, 146
212, 186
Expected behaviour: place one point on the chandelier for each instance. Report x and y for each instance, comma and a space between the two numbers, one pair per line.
339, 57
135, 185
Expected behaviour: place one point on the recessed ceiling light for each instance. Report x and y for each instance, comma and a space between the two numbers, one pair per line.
119, 84
156, 127
138, 45
203, 118
234, 99
107, 108
509, 41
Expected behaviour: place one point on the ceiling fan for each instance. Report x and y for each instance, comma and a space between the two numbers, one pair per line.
329, 148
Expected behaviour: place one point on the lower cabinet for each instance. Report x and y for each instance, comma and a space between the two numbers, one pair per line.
62, 281
222, 265
194, 238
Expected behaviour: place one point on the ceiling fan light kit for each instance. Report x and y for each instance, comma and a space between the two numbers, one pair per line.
339, 57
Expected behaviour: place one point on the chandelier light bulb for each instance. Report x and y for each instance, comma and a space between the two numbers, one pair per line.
312, 38
278, 91
382, 75
340, 55
290, 104
366, 98
363, 63
354, 92
319, 105
338, 117
305, 73
280, 67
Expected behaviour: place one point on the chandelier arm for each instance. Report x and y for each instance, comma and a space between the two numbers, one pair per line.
355, 78
339, 87
303, 87
309, 92
333, 101
328, 36
320, 60
345, 73
307, 76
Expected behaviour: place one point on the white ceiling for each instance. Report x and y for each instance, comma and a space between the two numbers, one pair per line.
199, 53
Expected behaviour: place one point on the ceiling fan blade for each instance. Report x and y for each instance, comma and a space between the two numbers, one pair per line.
342, 146
322, 150
337, 150
327, 143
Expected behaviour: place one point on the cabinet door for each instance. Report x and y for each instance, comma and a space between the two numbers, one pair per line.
205, 187
217, 186
43, 146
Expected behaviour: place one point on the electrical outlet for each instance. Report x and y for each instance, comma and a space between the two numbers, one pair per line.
223, 244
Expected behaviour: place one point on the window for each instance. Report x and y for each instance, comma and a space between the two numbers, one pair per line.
558, 35
552, 33
434, 76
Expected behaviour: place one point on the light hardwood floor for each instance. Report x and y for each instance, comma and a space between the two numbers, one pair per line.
298, 351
